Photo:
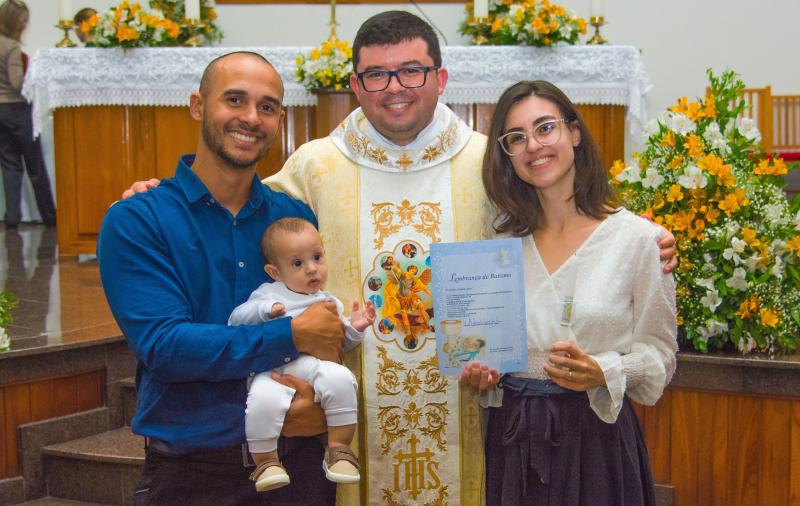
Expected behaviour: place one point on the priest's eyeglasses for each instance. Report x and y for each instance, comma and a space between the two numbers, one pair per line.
546, 134
408, 77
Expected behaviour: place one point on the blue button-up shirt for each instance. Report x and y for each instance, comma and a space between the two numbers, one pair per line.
174, 263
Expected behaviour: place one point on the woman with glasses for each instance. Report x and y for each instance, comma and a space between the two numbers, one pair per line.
600, 312
16, 126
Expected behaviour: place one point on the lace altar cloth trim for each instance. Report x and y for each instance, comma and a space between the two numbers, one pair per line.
478, 74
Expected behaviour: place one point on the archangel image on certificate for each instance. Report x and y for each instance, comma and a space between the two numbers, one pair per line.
479, 305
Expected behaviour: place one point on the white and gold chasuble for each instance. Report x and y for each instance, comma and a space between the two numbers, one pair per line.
380, 206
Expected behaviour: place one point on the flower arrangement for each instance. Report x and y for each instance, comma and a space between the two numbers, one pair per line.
7, 302
523, 22
129, 25
705, 178
328, 66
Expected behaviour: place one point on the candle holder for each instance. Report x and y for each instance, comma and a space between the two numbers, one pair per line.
597, 22
193, 26
332, 23
66, 25
480, 39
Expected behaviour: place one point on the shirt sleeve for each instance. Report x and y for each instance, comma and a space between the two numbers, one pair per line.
646, 369
352, 337
147, 298
256, 309
15, 68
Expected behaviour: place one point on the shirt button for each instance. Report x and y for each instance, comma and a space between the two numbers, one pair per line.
241, 264
235, 222
212, 200
287, 360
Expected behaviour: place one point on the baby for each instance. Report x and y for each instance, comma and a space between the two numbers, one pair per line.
296, 261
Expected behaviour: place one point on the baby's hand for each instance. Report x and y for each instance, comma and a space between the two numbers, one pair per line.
278, 309
360, 319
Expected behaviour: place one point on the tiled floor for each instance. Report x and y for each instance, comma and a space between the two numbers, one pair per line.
61, 300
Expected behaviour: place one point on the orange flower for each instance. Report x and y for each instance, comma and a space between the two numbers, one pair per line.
676, 162
680, 107
710, 110
675, 194
794, 244
695, 146
769, 317
712, 215
669, 139
617, 168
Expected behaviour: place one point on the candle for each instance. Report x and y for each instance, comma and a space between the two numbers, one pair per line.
481, 8
192, 9
65, 9
596, 8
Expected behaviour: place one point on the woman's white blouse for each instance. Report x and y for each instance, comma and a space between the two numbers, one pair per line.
623, 311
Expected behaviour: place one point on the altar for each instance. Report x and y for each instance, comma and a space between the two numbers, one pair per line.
121, 116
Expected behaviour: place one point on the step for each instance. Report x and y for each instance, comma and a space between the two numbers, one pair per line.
103, 468
56, 501
128, 387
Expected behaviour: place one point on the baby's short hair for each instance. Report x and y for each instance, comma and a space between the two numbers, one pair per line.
290, 224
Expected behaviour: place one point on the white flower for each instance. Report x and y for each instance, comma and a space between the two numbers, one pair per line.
631, 173
777, 269
5, 339
797, 220
706, 283
752, 262
652, 178
747, 344
774, 213
715, 139
565, 31
708, 264
692, 178
777, 247
711, 300
680, 123
731, 228
747, 127
714, 328
738, 281
650, 129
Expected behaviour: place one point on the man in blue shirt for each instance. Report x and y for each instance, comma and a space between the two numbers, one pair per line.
174, 262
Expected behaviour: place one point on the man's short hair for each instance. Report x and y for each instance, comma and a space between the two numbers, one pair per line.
83, 15
394, 27
211, 68
290, 224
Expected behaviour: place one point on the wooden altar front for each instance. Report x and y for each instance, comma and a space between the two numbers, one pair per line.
120, 117
101, 150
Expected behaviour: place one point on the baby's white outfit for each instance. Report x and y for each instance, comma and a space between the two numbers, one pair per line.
267, 400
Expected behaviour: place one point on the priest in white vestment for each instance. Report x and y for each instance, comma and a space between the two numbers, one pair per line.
398, 174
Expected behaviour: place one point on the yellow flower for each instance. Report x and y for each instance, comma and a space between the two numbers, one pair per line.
582, 25
124, 32
669, 139
539, 25
695, 146
779, 167
712, 215
617, 168
498, 23
694, 111
747, 307
680, 107
211, 13
315, 54
794, 244
710, 110
675, 194
769, 317
676, 162
750, 237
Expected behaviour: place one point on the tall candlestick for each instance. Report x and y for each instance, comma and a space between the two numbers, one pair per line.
192, 9
596, 8
65, 9
481, 8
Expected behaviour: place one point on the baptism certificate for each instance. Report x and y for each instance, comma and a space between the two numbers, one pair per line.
479, 305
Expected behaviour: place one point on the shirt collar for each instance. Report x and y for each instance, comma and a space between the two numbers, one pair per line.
195, 190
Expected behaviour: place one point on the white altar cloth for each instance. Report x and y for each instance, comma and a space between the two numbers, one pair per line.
74, 77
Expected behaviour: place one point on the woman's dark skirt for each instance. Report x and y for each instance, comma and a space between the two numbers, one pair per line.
546, 448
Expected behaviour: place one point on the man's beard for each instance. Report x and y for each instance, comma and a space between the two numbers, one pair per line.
218, 147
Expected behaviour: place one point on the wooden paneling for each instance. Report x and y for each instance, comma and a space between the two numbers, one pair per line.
725, 448
100, 151
41, 399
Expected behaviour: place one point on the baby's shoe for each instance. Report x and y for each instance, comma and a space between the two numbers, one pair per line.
341, 465
269, 475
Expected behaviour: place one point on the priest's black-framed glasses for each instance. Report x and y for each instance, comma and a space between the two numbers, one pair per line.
408, 77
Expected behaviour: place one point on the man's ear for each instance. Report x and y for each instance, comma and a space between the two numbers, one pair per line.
273, 271
196, 106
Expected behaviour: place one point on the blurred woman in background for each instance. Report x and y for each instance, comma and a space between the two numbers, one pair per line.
16, 128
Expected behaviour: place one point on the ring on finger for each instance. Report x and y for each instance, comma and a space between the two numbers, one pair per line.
569, 374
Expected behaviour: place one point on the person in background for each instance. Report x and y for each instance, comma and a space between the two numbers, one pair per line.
83, 25
17, 145
601, 316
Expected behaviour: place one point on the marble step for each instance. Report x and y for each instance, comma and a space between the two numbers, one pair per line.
56, 501
128, 389
103, 468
